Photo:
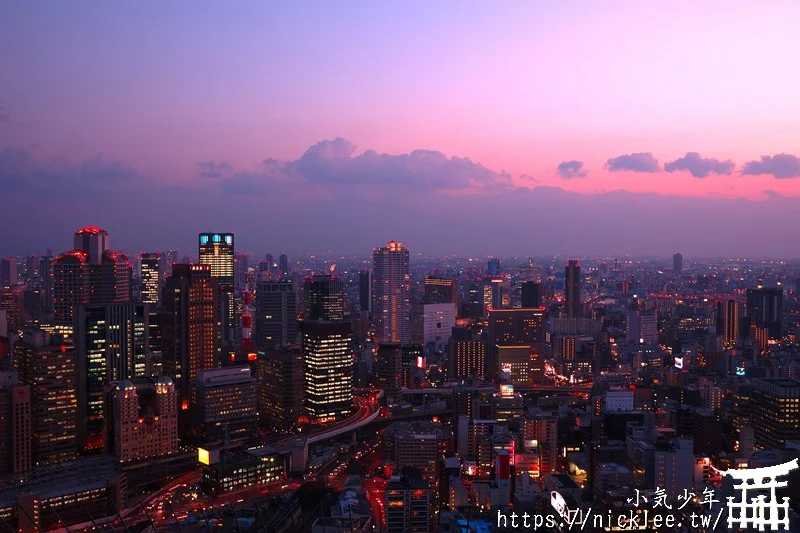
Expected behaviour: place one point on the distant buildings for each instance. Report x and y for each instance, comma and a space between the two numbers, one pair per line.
677, 264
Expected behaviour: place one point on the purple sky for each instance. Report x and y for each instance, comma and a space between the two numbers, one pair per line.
514, 127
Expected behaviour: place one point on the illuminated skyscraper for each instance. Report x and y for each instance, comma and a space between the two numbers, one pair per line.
328, 366
323, 298
572, 289
216, 250
776, 412
190, 332
391, 288
91, 273
150, 277
48, 367
727, 321
112, 343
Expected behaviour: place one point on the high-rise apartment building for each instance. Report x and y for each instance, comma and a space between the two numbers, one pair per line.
727, 321
328, 367
111, 344
466, 355
572, 289
407, 500
323, 298
217, 251
48, 367
141, 418
150, 277
391, 293
276, 315
190, 326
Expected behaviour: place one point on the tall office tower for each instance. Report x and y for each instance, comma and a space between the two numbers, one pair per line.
46, 276
390, 368
283, 264
216, 250
512, 327
271, 264
440, 291
276, 315
727, 321
111, 344
765, 309
170, 258
323, 298
190, 332
775, 405
391, 293
407, 500
150, 277
572, 289
8, 272
48, 367
365, 291
15, 425
240, 267
279, 377
531, 294
328, 362
466, 355
677, 264
224, 409
91, 273
31, 268
141, 418
493, 267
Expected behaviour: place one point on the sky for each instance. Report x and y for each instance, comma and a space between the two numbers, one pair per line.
489, 127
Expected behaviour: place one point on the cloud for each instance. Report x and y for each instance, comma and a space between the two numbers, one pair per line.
24, 170
700, 167
336, 164
639, 162
571, 169
213, 170
781, 166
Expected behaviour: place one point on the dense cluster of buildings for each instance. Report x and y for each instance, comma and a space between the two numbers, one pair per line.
503, 383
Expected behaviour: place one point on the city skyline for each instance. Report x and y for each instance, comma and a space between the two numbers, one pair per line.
477, 125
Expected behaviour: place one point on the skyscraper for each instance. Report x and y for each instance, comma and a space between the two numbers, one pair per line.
8, 272
531, 294
328, 363
776, 412
280, 379
276, 314
216, 250
390, 368
190, 333
323, 298
765, 309
391, 288
112, 344
150, 277
46, 275
224, 410
512, 327
493, 267
727, 321
677, 264
15, 425
572, 289
91, 273
48, 367
283, 264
